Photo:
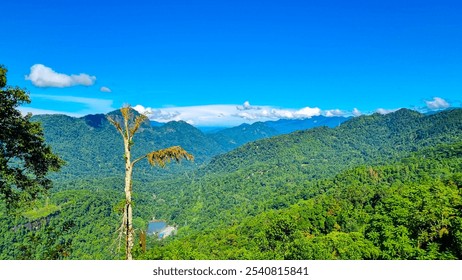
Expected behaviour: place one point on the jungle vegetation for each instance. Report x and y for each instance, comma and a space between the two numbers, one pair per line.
374, 187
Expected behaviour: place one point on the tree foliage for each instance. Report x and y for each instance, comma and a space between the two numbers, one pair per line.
25, 159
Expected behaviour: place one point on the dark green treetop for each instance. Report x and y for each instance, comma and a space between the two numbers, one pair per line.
25, 159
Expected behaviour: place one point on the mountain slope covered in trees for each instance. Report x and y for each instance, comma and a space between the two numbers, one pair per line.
407, 210
274, 173
92, 147
375, 187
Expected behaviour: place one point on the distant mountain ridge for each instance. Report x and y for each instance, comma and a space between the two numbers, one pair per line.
234, 137
92, 147
284, 126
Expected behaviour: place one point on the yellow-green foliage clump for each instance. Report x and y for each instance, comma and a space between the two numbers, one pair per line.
41, 212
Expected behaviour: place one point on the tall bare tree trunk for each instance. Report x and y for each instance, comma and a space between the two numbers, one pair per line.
129, 234
159, 157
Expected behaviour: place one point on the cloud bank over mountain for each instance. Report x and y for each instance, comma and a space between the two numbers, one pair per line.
212, 115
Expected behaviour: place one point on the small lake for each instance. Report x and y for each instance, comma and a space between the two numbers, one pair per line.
156, 227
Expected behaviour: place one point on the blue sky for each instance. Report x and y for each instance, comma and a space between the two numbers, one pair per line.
228, 62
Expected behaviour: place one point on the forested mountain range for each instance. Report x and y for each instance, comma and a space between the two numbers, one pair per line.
274, 173
93, 148
234, 137
359, 140
374, 187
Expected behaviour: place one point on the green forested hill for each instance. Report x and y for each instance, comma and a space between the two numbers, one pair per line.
283, 126
92, 147
359, 140
234, 137
411, 209
275, 173
82, 225
375, 187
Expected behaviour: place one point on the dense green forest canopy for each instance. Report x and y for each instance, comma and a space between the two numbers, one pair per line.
410, 209
375, 187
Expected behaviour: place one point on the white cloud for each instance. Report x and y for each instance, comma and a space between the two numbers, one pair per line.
356, 112
307, 112
246, 115
199, 115
141, 109
247, 106
105, 89
43, 76
437, 103
385, 111
249, 112
157, 114
334, 113
269, 113
227, 115
276, 114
